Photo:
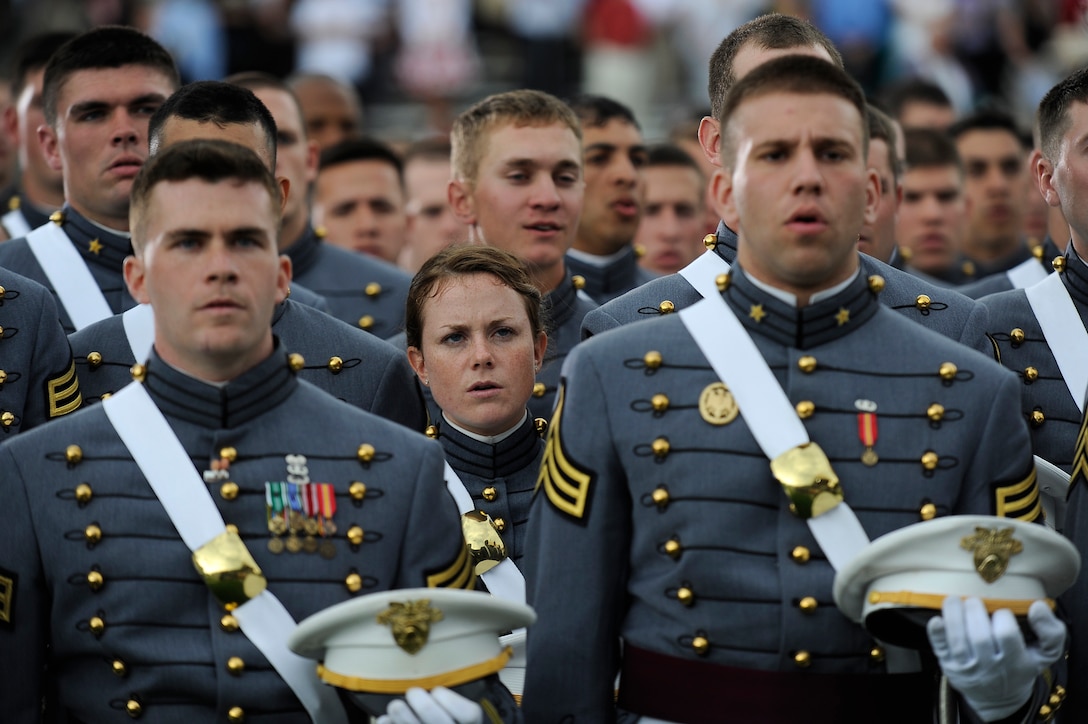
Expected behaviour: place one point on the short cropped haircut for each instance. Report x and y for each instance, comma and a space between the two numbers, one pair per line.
207, 160
913, 90
110, 46
986, 120
255, 81
793, 74
33, 54
769, 32
461, 260
931, 148
669, 154
361, 149
882, 127
471, 129
210, 101
597, 111
1052, 118
436, 148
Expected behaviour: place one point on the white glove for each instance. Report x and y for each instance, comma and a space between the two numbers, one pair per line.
987, 660
440, 706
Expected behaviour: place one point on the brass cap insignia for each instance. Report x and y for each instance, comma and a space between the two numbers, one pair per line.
992, 548
411, 623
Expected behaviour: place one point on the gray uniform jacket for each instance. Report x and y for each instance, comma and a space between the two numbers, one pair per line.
564, 309
37, 377
363, 291
1072, 601
603, 283
1044, 254
346, 362
500, 477
104, 612
31, 215
658, 527
1018, 343
103, 252
942, 310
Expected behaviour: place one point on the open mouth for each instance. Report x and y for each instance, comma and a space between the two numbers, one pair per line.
626, 207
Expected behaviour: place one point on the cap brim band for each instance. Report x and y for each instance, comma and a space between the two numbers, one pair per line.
936, 600
400, 686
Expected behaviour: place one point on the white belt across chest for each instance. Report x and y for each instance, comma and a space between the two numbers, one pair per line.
1064, 332
139, 323
702, 272
1026, 273
69, 276
170, 472
15, 224
504, 581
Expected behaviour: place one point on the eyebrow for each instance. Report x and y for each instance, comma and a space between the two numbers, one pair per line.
94, 105
535, 163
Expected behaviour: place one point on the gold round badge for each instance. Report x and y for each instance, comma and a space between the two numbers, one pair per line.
717, 405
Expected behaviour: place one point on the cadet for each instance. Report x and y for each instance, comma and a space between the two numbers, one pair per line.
1040, 332
99, 91
603, 254
360, 290
658, 521
304, 501
517, 183
755, 42
341, 359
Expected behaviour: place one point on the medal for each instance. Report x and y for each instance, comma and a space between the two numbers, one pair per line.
717, 404
276, 514
867, 430
275, 545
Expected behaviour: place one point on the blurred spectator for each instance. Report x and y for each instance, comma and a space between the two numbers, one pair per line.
919, 103
331, 109
193, 32
544, 35
671, 232
335, 37
924, 48
359, 198
619, 54
432, 225
860, 30
8, 140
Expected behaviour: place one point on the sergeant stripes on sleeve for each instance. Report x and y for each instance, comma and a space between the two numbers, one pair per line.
1019, 500
460, 573
63, 392
566, 485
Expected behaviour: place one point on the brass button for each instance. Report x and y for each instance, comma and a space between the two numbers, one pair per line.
710, 241
802, 659
1031, 374
236, 713
722, 282
652, 359
57, 217
296, 361
1037, 418
1058, 264
357, 490
666, 307
807, 364
7, 419
95, 580
876, 654
490, 494
800, 554
73, 454
336, 364
935, 412
235, 665
138, 372
366, 321
1054, 700
686, 596
228, 623
118, 667
659, 402
83, 493
228, 490
355, 535
92, 533
373, 289
354, 582
1017, 336
3, 377
365, 453
228, 453
133, 708
968, 268
928, 512
640, 251
660, 447
232, 528
500, 524
540, 425
94, 359
105, 396
805, 409
1060, 691
539, 388
947, 371
672, 548
923, 302
97, 625
578, 281
807, 604
876, 284
929, 460
1046, 713
431, 431
660, 497
701, 645
1037, 251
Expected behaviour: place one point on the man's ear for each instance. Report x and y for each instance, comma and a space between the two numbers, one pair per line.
872, 195
1043, 172
721, 192
283, 278
462, 201
135, 279
285, 191
47, 136
710, 138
